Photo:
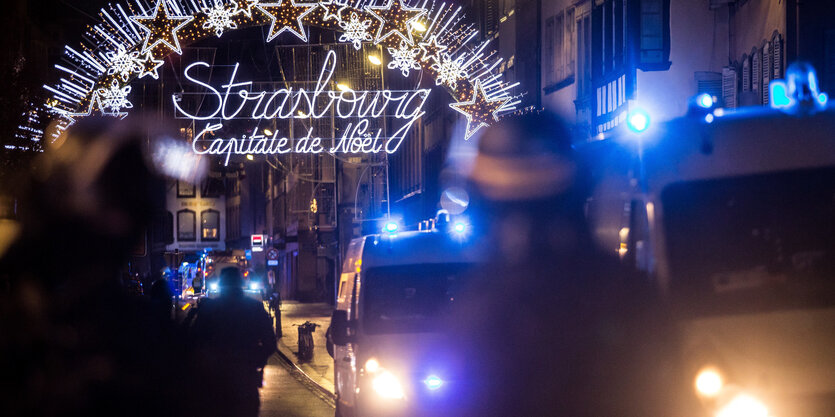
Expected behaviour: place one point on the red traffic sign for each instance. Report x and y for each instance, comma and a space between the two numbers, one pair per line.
272, 254
257, 241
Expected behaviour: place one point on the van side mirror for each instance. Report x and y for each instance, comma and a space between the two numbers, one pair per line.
340, 328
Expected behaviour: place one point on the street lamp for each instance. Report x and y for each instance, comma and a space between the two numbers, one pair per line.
343, 87
418, 26
375, 60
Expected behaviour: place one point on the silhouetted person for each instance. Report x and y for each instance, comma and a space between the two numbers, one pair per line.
555, 326
233, 339
72, 341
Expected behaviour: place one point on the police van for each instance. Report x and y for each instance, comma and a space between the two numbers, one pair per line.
733, 214
395, 293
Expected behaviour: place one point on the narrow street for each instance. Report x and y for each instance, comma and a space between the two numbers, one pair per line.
286, 394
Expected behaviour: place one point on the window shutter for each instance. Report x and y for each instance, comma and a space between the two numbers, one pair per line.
549, 51
570, 42
491, 17
766, 68
729, 85
709, 82
777, 44
756, 74
746, 73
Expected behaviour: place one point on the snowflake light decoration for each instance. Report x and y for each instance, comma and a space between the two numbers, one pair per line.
449, 71
356, 31
404, 58
123, 63
114, 98
219, 17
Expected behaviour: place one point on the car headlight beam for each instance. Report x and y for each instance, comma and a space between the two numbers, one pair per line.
743, 405
709, 382
387, 386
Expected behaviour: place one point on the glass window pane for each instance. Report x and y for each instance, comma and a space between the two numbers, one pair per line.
186, 225
210, 225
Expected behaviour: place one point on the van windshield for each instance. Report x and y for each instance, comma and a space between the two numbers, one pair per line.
411, 298
752, 244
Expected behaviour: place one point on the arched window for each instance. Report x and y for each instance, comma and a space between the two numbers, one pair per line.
210, 225
186, 225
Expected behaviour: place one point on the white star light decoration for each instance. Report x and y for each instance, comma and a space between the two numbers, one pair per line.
329, 12
162, 27
114, 98
395, 19
149, 66
431, 49
286, 16
123, 63
404, 58
219, 17
480, 110
245, 7
356, 31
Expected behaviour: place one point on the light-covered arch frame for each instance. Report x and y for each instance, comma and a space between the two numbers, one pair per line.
134, 37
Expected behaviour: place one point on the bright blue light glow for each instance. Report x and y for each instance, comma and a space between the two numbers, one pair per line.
433, 382
779, 93
638, 120
253, 285
704, 101
390, 227
709, 118
213, 286
823, 98
460, 228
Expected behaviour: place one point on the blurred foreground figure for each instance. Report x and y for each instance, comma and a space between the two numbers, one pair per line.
233, 339
556, 327
73, 342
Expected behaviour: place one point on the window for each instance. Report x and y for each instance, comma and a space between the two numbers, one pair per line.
655, 35
583, 54
210, 225
560, 50
186, 225
185, 190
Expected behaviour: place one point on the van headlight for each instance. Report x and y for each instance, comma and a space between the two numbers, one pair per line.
213, 286
386, 385
743, 405
709, 382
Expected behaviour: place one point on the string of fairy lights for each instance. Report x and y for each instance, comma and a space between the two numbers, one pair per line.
133, 38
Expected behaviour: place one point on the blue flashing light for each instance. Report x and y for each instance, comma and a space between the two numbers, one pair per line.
253, 286
433, 382
779, 94
390, 227
638, 120
823, 98
213, 286
709, 118
704, 101
459, 228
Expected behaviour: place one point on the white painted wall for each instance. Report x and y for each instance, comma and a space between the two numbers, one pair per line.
693, 47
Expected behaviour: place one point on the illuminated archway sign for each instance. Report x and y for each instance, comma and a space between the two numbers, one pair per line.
133, 39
